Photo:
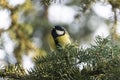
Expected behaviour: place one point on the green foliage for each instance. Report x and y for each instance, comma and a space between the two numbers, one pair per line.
48, 2
102, 63
115, 3
36, 19
13, 72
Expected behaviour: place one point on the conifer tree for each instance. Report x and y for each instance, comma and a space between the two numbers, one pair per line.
99, 62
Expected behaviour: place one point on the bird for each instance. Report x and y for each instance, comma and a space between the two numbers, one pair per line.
59, 37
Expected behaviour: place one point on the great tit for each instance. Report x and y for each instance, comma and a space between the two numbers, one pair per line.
59, 38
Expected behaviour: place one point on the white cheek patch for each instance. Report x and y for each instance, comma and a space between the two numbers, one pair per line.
59, 32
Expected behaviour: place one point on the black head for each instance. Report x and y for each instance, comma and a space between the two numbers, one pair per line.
59, 28
57, 31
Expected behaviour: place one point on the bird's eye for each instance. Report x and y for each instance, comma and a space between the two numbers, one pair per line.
59, 32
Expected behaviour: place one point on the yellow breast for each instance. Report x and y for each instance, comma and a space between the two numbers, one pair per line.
64, 40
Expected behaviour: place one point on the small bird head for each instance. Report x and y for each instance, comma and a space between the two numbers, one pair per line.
58, 31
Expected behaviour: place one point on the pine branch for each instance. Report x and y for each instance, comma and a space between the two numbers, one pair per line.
102, 63
15, 72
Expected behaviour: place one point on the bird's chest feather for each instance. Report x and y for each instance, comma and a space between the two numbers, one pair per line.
64, 40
